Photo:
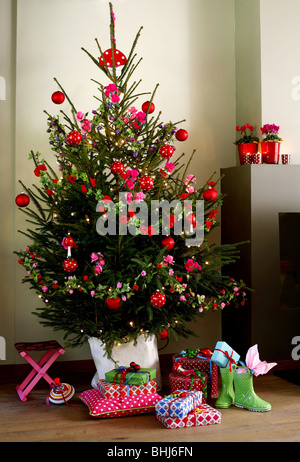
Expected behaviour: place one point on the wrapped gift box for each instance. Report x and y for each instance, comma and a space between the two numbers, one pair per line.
112, 390
106, 408
178, 405
202, 415
224, 355
203, 365
132, 378
178, 381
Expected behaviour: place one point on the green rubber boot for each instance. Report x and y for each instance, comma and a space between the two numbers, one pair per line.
245, 395
226, 396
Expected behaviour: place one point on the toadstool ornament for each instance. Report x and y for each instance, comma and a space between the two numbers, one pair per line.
166, 151
146, 183
117, 168
119, 59
158, 299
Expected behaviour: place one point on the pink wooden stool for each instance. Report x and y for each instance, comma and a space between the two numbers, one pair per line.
53, 350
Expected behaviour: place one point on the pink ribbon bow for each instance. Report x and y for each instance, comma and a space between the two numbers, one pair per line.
255, 364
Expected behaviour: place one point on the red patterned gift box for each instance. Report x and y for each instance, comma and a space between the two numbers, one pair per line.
200, 416
114, 390
178, 381
106, 408
203, 365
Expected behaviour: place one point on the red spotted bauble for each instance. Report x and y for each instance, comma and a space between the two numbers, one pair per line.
69, 241
168, 242
181, 135
117, 168
58, 97
210, 194
148, 107
74, 138
164, 334
22, 200
70, 265
158, 299
113, 303
166, 151
146, 183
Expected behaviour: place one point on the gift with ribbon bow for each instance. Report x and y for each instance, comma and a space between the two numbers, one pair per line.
192, 379
178, 404
110, 390
130, 375
191, 361
225, 356
201, 415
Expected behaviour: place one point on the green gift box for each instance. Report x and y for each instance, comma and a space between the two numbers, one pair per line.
132, 378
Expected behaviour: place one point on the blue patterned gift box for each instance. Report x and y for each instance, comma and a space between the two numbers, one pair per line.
224, 355
178, 404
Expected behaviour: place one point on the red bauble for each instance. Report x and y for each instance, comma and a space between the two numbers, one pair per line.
58, 97
168, 242
117, 168
191, 219
166, 151
164, 334
22, 200
158, 299
206, 352
113, 303
145, 107
172, 220
74, 138
210, 194
181, 135
146, 183
70, 265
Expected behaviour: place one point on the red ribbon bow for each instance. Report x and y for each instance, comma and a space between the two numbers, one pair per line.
230, 358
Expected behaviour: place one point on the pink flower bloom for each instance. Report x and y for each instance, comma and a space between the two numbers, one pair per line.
79, 115
111, 87
129, 197
130, 184
191, 265
143, 273
44, 288
190, 179
190, 189
92, 293
94, 257
98, 269
139, 197
169, 167
169, 260
132, 109
115, 98
182, 297
86, 126
171, 272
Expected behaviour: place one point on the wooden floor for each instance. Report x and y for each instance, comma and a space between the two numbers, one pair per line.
34, 421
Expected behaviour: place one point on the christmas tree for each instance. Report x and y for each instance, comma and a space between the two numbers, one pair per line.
101, 264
